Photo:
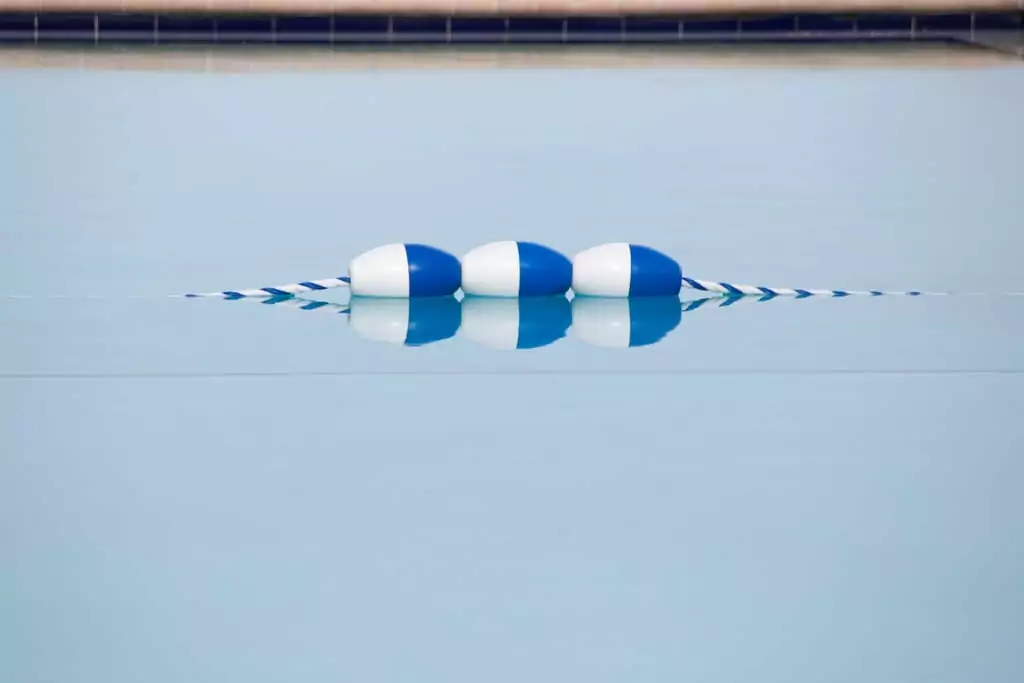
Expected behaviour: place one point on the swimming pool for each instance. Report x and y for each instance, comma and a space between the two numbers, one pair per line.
821, 489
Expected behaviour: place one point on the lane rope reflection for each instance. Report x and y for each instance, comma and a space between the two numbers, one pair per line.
510, 323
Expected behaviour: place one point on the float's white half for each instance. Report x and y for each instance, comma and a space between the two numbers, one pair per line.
383, 271
491, 270
603, 270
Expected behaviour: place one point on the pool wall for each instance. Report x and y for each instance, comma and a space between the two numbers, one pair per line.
215, 26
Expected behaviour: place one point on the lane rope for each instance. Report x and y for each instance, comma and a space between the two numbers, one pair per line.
731, 289
723, 289
279, 290
301, 304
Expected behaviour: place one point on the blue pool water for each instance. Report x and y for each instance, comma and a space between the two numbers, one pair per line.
203, 490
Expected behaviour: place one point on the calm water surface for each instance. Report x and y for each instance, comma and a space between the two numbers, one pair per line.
818, 490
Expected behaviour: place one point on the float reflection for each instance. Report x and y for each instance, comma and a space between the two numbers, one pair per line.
512, 323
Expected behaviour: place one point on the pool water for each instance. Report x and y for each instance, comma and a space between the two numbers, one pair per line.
790, 490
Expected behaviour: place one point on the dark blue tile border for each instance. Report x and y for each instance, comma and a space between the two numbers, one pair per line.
780, 24
823, 23
246, 30
17, 28
304, 29
321, 29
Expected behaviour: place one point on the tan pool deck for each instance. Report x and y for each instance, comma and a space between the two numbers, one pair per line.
256, 59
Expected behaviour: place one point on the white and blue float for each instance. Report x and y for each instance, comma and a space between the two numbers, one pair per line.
625, 270
405, 271
515, 269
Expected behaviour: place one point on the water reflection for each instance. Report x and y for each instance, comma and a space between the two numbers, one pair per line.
623, 323
523, 323
519, 324
412, 322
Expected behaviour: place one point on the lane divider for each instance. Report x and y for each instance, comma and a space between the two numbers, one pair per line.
516, 269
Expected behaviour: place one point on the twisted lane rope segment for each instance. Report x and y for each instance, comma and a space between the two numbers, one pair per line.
730, 289
280, 290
